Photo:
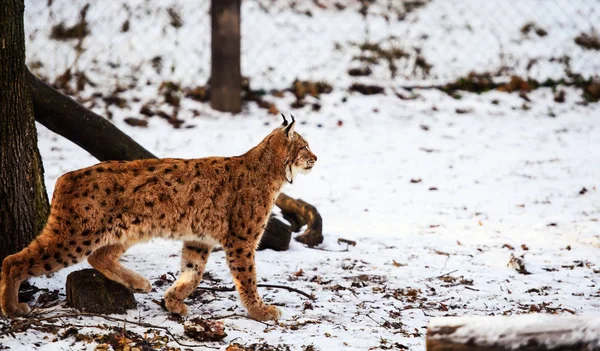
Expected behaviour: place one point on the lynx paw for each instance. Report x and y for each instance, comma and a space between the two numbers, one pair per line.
16, 311
176, 306
141, 285
265, 313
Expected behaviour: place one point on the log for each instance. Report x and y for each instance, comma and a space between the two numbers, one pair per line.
104, 141
308, 214
93, 133
522, 332
90, 291
277, 236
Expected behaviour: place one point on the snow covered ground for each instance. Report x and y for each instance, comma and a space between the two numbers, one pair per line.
438, 193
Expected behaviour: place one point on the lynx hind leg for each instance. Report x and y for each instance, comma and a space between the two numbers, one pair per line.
240, 258
48, 253
106, 261
193, 260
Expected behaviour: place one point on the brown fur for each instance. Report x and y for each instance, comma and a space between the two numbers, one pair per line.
100, 211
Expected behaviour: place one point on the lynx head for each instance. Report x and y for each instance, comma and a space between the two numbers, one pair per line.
299, 158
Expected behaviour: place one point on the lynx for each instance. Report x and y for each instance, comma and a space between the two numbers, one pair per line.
100, 211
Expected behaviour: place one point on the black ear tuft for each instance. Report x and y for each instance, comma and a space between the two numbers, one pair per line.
289, 130
285, 122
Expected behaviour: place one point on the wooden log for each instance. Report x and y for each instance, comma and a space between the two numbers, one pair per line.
90, 291
313, 235
522, 332
93, 133
277, 236
226, 74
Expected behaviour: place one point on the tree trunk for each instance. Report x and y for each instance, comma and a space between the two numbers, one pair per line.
23, 199
226, 75
524, 332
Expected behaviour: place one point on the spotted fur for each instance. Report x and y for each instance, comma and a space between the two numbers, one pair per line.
100, 211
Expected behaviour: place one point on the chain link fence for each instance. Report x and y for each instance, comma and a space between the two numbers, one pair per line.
388, 42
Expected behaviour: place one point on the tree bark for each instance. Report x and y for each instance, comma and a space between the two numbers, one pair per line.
23, 199
523, 332
226, 74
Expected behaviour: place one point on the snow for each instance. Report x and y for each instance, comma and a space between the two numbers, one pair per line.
505, 174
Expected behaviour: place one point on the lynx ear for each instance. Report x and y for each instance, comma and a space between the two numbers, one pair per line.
289, 130
285, 122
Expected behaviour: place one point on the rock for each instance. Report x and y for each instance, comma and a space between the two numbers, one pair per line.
90, 291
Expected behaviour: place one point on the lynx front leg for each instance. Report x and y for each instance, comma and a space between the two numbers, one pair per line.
240, 257
193, 260
106, 261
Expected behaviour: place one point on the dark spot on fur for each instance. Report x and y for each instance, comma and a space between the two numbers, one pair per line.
87, 243
85, 194
88, 172
197, 187
191, 202
100, 169
107, 190
47, 267
167, 183
162, 216
167, 170
59, 245
149, 203
86, 232
198, 173
78, 249
88, 253
45, 257
72, 242
136, 221
151, 168
189, 265
239, 250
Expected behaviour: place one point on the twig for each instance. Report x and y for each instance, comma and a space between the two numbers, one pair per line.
379, 324
470, 288
27, 323
241, 316
320, 249
443, 275
231, 289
